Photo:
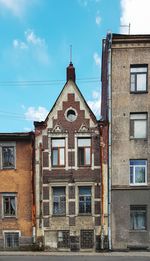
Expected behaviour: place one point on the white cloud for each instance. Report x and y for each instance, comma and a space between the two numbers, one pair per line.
97, 59
98, 19
38, 114
19, 44
135, 12
36, 46
16, 7
32, 38
95, 103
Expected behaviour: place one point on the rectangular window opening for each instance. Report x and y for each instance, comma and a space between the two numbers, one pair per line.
59, 200
9, 206
138, 172
84, 151
11, 239
138, 217
138, 78
58, 152
85, 200
138, 125
8, 157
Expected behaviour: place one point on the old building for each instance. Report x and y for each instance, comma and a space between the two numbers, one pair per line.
16, 190
68, 179
126, 107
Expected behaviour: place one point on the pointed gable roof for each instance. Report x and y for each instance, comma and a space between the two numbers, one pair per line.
70, 82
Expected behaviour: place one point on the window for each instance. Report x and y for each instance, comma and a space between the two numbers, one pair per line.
58, 152
9, 205
71, 115
138, 78
138, 217
138, 172
8, 157
59, 201
84, 200
63, 239
84, 152
87, 239
11, 239
138, 125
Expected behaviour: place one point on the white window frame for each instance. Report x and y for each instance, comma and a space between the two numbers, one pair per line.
11, 231
9, 195
138, 117
7, 144
58, 136
134, 174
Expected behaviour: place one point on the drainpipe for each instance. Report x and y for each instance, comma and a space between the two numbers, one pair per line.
102, 184
109, 36
40, 185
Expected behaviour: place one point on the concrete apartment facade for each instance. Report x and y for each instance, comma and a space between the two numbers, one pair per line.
16, 190
126, 108
68, 177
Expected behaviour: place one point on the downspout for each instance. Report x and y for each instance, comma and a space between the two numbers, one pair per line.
109, 139
33, 188
40, 185
102, 185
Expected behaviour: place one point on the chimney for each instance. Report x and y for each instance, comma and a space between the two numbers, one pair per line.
71, 73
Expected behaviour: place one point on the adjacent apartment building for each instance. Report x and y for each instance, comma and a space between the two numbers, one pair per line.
16, 190
68, 177
126, 108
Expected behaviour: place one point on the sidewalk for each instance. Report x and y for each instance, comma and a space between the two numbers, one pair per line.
28, 253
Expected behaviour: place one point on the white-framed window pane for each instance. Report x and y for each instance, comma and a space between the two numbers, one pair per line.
139, 174
58, 142
62, 156
138, 171
138, 116
141, 82
138, 69
55, 157
140, 129
88, 156
132, 82
84, 142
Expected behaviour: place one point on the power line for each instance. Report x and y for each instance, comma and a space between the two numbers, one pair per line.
46, 82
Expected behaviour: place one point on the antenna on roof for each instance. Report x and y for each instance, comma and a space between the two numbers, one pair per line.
71, 53
125, 25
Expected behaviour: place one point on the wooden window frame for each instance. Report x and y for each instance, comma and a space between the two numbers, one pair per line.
84, 149
58, 149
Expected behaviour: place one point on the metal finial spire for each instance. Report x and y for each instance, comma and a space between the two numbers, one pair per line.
71, 53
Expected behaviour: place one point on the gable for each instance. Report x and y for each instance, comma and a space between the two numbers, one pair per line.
71, 99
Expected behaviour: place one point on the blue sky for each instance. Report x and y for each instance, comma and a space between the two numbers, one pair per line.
34, 51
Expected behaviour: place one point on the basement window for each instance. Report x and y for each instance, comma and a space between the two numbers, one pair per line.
11, 239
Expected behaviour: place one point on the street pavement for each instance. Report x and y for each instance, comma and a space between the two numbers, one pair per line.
67, 256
